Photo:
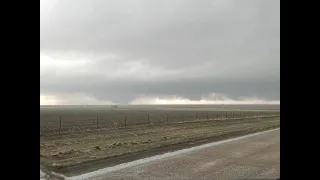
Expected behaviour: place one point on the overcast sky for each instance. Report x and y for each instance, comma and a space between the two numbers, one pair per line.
159, 51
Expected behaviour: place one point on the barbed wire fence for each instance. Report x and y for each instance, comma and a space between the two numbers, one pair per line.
65, 124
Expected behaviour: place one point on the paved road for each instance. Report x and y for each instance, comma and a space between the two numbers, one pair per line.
253, 157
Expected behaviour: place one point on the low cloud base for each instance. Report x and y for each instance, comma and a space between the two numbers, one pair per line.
211, 99
73, 99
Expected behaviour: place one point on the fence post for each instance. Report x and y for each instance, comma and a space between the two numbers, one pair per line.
125, 120
207, 116
97, 122
167, 118
60, 125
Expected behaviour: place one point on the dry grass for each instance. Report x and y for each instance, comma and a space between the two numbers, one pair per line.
71, 149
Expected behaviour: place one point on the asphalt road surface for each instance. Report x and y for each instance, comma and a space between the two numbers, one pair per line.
250, 157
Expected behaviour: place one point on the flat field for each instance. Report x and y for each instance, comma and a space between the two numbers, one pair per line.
68, 119
82, 146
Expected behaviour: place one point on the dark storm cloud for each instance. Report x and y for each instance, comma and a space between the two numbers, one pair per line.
117, 50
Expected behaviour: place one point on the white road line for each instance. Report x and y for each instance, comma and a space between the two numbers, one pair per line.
157, 157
